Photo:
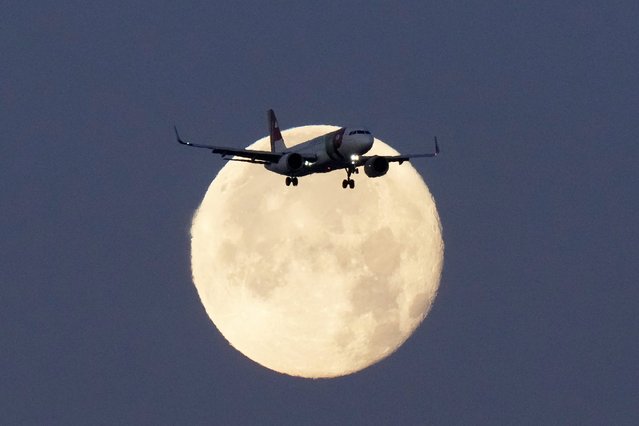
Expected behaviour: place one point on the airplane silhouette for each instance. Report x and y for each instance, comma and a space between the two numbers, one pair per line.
344, 148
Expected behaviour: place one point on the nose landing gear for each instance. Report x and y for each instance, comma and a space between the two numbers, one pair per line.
348, 182
291, 180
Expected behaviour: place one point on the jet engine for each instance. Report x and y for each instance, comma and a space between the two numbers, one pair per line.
289, 163
376, 166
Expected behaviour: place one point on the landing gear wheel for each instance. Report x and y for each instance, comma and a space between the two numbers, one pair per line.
294, 181
348, 182
288, 181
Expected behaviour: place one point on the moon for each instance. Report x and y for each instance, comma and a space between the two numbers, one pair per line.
316, 281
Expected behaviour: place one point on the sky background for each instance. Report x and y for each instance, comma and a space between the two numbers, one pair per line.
535, 105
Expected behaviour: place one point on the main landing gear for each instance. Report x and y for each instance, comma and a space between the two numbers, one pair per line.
348, 182
291, 180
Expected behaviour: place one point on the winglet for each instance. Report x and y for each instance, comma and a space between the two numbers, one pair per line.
277, 142
177, 135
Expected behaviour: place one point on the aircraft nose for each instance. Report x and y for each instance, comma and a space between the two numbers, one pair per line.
366, 142
359, 142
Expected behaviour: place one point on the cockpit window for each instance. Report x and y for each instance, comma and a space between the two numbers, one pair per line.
360, 132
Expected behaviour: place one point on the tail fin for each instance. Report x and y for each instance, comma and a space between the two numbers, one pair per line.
277, 142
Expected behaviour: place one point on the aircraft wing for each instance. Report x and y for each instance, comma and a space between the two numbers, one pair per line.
252, 156
405, 157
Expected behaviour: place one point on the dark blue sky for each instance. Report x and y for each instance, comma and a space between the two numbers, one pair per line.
535, 105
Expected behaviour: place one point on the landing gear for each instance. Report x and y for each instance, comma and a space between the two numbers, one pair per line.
291, 180
348, 182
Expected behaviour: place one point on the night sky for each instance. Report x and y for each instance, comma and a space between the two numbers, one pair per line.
536, 108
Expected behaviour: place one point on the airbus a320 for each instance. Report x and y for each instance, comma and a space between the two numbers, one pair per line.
342, 149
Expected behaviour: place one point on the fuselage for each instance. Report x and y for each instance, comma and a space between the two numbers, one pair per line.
338, 149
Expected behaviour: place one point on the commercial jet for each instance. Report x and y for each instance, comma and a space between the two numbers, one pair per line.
341, 149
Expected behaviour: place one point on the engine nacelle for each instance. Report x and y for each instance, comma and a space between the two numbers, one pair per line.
376, 166
289, 163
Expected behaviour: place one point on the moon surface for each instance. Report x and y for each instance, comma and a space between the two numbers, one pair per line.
316, 281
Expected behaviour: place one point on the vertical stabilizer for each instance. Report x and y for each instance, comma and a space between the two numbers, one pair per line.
277, 142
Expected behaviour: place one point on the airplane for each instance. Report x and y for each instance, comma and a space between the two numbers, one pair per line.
341, 149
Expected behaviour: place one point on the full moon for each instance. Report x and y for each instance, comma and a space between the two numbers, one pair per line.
315, 280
